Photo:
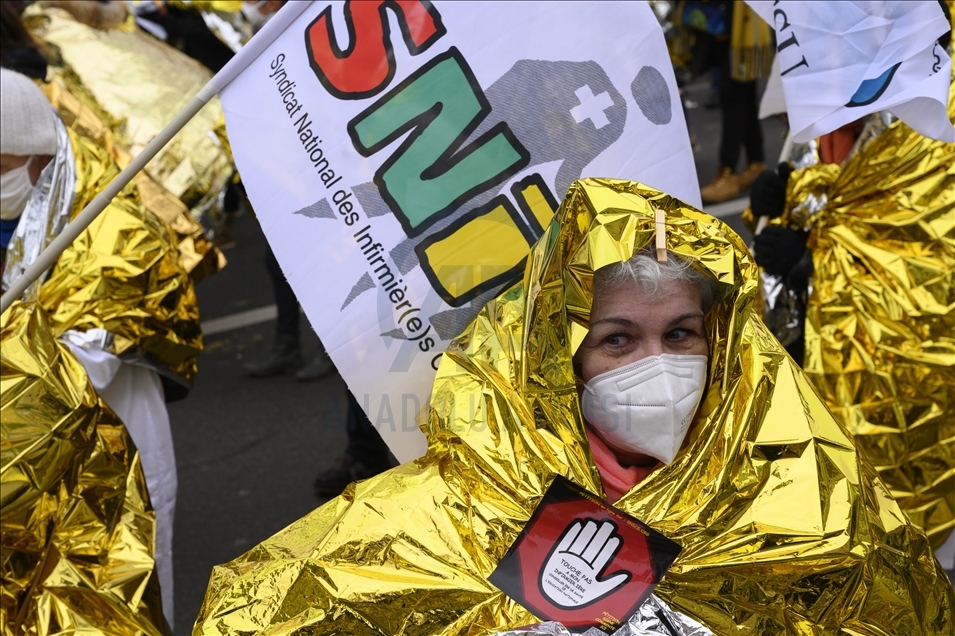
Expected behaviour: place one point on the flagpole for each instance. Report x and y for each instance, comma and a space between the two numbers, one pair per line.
272, 29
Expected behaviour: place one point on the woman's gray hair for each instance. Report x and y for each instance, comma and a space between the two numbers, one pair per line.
655, 278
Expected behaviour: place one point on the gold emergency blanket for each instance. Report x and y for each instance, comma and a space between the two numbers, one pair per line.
76, 553
198, 255
123, 274
785, 528
880, 320
137, 84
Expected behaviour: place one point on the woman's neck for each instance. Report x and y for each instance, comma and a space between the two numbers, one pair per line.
618, 479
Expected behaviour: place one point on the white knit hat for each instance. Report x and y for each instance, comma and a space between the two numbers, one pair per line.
27, 125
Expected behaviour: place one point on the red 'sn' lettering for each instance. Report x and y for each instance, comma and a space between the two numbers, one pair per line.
367, 66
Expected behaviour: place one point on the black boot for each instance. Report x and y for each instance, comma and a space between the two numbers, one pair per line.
346, 469
320, 366
285, 356
223, 235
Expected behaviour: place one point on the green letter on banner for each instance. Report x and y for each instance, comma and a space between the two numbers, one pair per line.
430, 175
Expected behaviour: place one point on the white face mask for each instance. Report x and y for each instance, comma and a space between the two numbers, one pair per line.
646, 407
15, 191
253, 13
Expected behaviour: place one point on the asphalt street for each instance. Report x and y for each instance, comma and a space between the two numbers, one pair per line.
248, 449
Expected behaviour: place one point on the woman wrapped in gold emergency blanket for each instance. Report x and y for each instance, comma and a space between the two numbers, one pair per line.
785, 529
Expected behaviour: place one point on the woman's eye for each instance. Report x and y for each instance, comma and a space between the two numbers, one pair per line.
616, 340
679, 334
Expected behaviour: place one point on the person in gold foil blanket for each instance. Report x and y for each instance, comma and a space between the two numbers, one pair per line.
119, 296
784, 526
76, 525
861, 253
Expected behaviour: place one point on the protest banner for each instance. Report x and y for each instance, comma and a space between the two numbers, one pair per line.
403, 156
840, 61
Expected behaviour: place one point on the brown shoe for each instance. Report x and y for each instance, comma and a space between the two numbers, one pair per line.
747, 176
723, 188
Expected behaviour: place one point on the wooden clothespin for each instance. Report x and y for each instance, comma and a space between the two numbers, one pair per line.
661, 236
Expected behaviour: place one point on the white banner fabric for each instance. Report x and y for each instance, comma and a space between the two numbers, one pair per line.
402, 157
840, 61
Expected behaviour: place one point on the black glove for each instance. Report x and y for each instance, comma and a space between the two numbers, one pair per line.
767, 197
778, 249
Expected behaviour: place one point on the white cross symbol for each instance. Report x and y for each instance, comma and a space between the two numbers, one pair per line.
591, 107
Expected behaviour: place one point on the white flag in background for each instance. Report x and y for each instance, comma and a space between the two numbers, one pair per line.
402, 157
840, 61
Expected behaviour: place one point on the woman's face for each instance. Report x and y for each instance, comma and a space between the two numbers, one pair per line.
625, 327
